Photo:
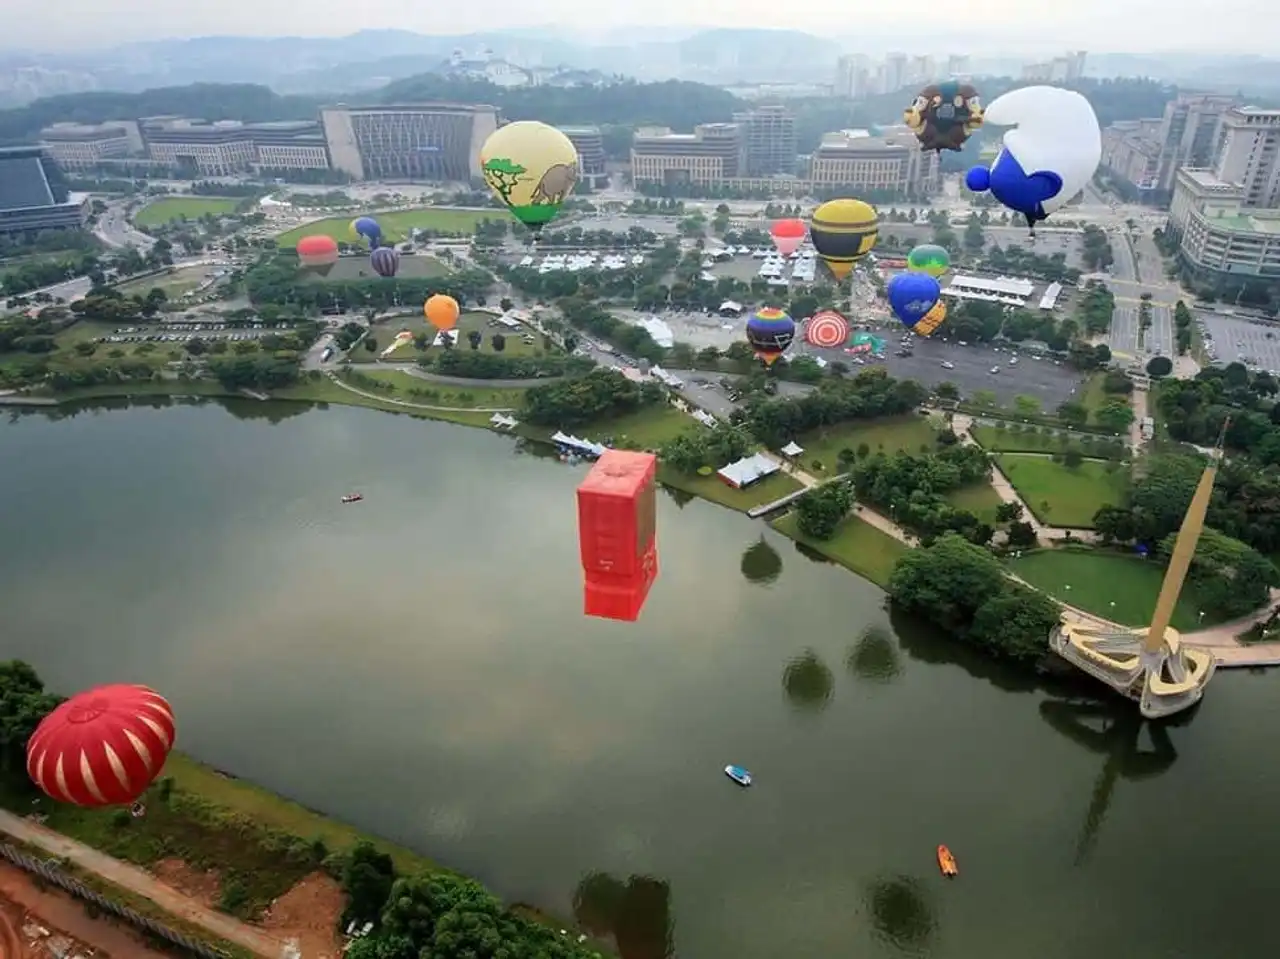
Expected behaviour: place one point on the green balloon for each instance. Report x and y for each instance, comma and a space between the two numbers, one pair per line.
929, 258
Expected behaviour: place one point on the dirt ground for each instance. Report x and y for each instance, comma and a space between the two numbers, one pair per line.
204, 887
42, 925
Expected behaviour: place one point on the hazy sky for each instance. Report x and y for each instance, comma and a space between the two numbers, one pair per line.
1098, 25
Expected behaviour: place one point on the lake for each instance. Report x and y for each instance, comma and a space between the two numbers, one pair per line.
419, 665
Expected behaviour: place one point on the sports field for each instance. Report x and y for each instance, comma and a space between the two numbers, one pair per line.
397, 226
173, 208
357, 268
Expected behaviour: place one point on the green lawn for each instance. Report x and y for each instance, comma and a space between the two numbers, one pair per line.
717, 491
648, 428
174, 282
979, 499
385, 332
406, 386
168, 209
1060, 496
1091, 395
996, 440
326, 391
856, 545
416, 266
397, 226
1099, 578
889, 435
15, 263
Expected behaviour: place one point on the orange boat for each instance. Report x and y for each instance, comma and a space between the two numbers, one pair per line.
947, 862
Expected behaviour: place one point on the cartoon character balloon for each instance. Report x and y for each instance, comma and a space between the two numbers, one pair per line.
318, 250
929, 258
843, 232
102, 747
912, 296
770, 331
531, 168
368, 228
1049, 156
787, 235
944, 115
442, 311
385, 260
931, 320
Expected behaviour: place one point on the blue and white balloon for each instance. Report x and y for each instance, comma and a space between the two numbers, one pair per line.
1052, 151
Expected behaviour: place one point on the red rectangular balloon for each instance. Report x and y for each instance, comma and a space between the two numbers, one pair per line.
619, 598
617, 515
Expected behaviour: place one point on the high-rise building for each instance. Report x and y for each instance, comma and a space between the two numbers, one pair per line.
289, 145
889, 160
769, 139
852, 76
34, 195
958, 65
1189, 133
923, 70
421, 141
1247, 158
224, 148
714, 152
894, 73
1075, 68
78, 146
590, 146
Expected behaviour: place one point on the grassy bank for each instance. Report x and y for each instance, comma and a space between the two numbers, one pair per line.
856, 545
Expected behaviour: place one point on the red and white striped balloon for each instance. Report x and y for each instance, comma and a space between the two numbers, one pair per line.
827, 329
102, 747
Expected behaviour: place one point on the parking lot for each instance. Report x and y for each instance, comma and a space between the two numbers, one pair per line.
1231, 339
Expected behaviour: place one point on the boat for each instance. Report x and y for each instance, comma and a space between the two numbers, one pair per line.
947, 862
738, 775
353, 498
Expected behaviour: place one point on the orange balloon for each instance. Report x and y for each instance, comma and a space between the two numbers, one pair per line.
442, 311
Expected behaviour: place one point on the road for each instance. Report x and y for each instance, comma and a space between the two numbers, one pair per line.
142, 883
114, 229
1139, 269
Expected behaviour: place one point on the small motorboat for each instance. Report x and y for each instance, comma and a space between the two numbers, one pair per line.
353, 498
738, 775
947, 862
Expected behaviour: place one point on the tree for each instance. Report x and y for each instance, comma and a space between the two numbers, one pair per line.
1159, 366
370, 343
1114, 416
1009, 512
506, 304
820, 511
367, 878
23, 704
946, 582
1230, 577
1114, 524
1026, 405
947, 391
1016, 624
984, 397
1073, 414
475, 338
498, 342
1072, 458
1022, 535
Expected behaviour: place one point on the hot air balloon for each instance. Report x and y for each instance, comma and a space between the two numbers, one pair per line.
318, 250
1049, 156
102, 747
770, 331
931, 320
442, 311
385, 260
929, 258
912, 295
843, 232
944, 115
366, 227
531, 168
616, 534
787, 235
826, 329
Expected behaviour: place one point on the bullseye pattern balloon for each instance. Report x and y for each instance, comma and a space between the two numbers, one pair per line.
770, 331
912, 296
843, 232
318, 250
788, 235
102, 747
385, 260
366, 227
929, 258
826, 329
442, 311
931, 320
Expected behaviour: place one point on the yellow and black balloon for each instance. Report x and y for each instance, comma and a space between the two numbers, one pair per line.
931, 320
843, 232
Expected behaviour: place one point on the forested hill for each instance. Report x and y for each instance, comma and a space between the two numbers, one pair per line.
206, 101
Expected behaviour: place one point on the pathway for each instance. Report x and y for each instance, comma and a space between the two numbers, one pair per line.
143, 884
412, 369
419, 406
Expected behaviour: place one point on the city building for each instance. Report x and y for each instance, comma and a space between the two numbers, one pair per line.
713, 153
1062, 69
958, 65
769, 140
289, 145
224, 148
80, 146
893, 73
34, 196
422, 141
1131, 155
591, 159
854, 76
889, 160
1143, 156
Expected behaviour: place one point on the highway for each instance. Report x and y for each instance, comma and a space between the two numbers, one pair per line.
114, 229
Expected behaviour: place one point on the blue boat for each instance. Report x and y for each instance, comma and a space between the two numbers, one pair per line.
738, 775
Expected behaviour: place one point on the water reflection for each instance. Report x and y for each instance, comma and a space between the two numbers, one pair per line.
635, 914
761, 563
812, 555
808, 682
1111, 728
874, 656
926, 643
901, 913
680, 497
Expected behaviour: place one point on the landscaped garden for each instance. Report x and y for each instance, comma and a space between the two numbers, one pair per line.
172, 208
1062, 495
888, 435
398, 225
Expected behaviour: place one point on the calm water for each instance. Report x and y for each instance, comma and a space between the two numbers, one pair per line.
419, 665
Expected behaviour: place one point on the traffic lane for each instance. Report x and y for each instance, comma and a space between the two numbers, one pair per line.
1124, 329
1160, 336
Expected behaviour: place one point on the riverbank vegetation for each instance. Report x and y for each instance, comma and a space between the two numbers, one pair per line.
855, 544
914, 488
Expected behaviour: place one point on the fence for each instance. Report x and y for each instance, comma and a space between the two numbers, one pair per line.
55, 876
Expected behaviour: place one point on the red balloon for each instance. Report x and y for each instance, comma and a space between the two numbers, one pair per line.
317, 250
102, 747
788, 229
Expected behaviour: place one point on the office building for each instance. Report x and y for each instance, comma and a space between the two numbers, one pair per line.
1248, 144
889, 160
1143, 156
713, 153
769, 140
591, 159
289, 145
893, 73
1131, 155
1064, 69
853, 76
34, 196
923, 70
81, 146
958, 65
422, 141
195, 147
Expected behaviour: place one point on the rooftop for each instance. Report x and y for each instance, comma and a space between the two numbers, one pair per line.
23, 184
1261, 221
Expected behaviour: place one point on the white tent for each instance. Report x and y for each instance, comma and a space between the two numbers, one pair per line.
792, 449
